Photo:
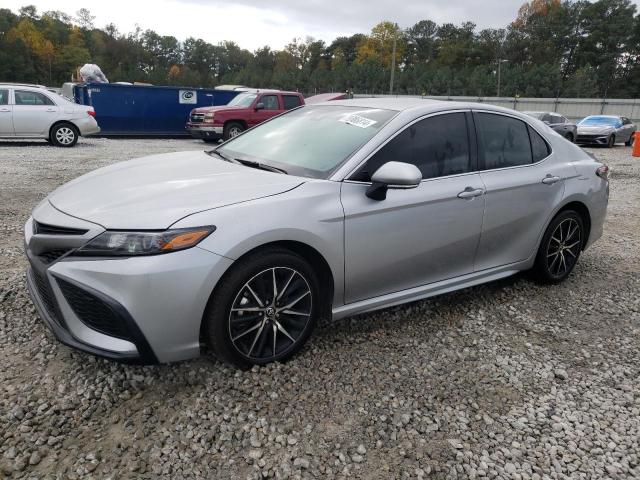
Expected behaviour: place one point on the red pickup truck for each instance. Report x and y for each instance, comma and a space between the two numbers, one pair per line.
243, 111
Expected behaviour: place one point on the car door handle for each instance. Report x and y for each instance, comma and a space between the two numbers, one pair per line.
51, 109
470, 192
5, 110
550, 179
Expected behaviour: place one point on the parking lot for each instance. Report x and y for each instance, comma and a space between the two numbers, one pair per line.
508, 380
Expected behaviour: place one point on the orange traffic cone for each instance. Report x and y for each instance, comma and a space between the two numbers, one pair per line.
636, 146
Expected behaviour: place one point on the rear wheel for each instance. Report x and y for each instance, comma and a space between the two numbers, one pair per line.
63, 135
232, 129
263, 310
560, 247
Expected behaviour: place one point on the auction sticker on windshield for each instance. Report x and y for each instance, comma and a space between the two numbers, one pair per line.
358, 121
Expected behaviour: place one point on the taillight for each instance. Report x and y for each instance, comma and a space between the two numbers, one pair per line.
91, 113
603, 172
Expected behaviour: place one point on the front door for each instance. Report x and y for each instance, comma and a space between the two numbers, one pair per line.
417, 236
270, 108
6, 122
523, 185
33, 113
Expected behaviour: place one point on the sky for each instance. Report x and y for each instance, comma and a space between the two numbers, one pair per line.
255, 23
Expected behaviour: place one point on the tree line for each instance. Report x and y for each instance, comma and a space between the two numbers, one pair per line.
553, 48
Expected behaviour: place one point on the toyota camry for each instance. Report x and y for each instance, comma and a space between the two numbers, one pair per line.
326, 211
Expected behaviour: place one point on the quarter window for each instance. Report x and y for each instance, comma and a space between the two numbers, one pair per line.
270, 102
502, 141
438, 146
291, 101
31, 98
4, 97
539, 148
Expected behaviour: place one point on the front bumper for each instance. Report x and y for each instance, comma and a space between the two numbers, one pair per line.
588, 139
205, 131
135, 310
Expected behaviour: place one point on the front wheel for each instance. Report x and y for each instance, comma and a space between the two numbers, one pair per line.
263, 310
63, 135
560, 248
611, 141
232, 129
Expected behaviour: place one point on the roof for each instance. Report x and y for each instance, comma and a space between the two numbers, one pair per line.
415, 105
10, 84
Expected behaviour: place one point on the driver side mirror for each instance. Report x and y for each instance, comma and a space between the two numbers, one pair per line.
259, 106
395, 175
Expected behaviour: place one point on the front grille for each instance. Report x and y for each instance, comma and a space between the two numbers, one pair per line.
44, 229
51, 256
94, 312
197, 117
45, 293
590, 137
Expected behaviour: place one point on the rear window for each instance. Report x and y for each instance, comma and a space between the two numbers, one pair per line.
291, 101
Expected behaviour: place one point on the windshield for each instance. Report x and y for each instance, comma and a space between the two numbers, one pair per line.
609, 121
311, 141
242, 100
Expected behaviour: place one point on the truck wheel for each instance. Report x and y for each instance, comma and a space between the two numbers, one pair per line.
232, 129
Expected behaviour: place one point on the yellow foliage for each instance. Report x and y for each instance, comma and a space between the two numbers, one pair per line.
378, 47
27, 32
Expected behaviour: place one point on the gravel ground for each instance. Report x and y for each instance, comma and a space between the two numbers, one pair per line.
508, 380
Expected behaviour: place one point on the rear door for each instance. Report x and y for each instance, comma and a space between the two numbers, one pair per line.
33, 113
291, 101
524, 183
6, 121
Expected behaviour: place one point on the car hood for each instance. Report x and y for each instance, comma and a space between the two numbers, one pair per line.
154, 192
595, 129
218, 108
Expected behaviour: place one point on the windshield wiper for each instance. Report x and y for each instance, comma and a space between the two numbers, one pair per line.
261, 166
223, 156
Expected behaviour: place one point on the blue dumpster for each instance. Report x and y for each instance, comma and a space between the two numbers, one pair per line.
145, 110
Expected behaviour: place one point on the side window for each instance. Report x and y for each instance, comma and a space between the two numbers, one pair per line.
556, 119
502, 141
4, 97
547, 118
24, 97
539, 147
438, 146
625, 121
291, 101
270, 102
564, 120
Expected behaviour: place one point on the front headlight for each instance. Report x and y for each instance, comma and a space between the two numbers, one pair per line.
126, 244
208, 117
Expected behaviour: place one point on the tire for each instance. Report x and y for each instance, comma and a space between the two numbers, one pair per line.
232, 129
629, 142
63, 135
243, 304
611, 141
569, 136
560, 248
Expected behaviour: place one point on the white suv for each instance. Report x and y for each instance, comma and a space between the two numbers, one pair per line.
31, 111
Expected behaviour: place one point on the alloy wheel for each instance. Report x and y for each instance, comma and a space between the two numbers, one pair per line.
234, 132
564, 247
65, 135
270, 313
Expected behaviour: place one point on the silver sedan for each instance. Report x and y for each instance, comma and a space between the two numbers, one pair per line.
327, 211
31, 111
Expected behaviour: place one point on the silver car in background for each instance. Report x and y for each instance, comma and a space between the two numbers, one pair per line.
31, 111
605, 130
326, 211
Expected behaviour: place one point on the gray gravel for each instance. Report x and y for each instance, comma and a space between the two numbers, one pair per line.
509, 380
